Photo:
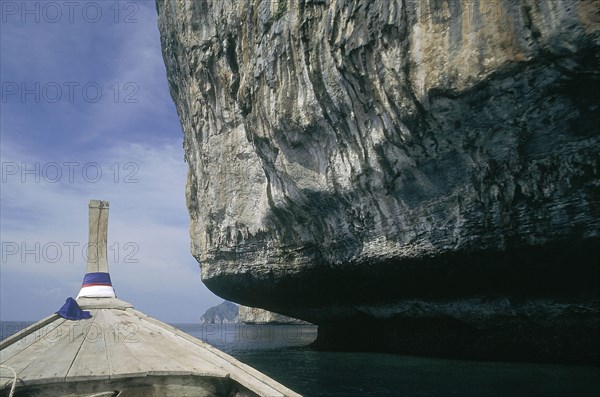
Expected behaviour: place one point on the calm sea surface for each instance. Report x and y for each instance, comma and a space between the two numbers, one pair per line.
280, 351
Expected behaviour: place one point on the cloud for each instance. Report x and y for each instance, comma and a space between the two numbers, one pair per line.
44, 231
87, 82
148, 228
56, 156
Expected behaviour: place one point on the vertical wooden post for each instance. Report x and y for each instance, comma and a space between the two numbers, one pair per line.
97, 260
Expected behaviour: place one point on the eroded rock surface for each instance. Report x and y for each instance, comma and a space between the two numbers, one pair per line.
432, 166
255, 315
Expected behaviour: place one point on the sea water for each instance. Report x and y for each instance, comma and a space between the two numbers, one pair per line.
282, 352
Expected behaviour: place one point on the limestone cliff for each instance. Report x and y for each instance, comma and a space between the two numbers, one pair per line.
428, 165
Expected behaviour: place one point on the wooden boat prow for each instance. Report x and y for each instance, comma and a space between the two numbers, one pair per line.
120, 351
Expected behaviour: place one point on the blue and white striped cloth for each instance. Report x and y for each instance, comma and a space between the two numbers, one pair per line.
96, 285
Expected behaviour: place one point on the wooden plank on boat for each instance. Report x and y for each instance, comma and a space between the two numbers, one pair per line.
144, 346
41, 343
121, 361
19, 336
163, 353
179, 349
54, 361
97, 236
91, 361
241, 373
26, 339
86, 303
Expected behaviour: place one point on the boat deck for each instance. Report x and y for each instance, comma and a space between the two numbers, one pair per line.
121, 344
119, 351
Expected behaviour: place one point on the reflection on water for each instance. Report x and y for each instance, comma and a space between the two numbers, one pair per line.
232, 338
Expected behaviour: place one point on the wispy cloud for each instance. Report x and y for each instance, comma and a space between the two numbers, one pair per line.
44, 227
56, 156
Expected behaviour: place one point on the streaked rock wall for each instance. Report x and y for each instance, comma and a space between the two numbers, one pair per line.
255, 315
356, 160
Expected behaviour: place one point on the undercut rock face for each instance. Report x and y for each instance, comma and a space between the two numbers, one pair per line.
413, 176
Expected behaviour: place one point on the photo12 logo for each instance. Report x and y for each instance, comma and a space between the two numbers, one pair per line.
69, 11
118, 332
70, 172
69, 251
69, 91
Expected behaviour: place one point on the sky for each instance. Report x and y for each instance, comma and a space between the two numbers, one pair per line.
85, 113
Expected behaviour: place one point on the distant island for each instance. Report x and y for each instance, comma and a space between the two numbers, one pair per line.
228, 312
